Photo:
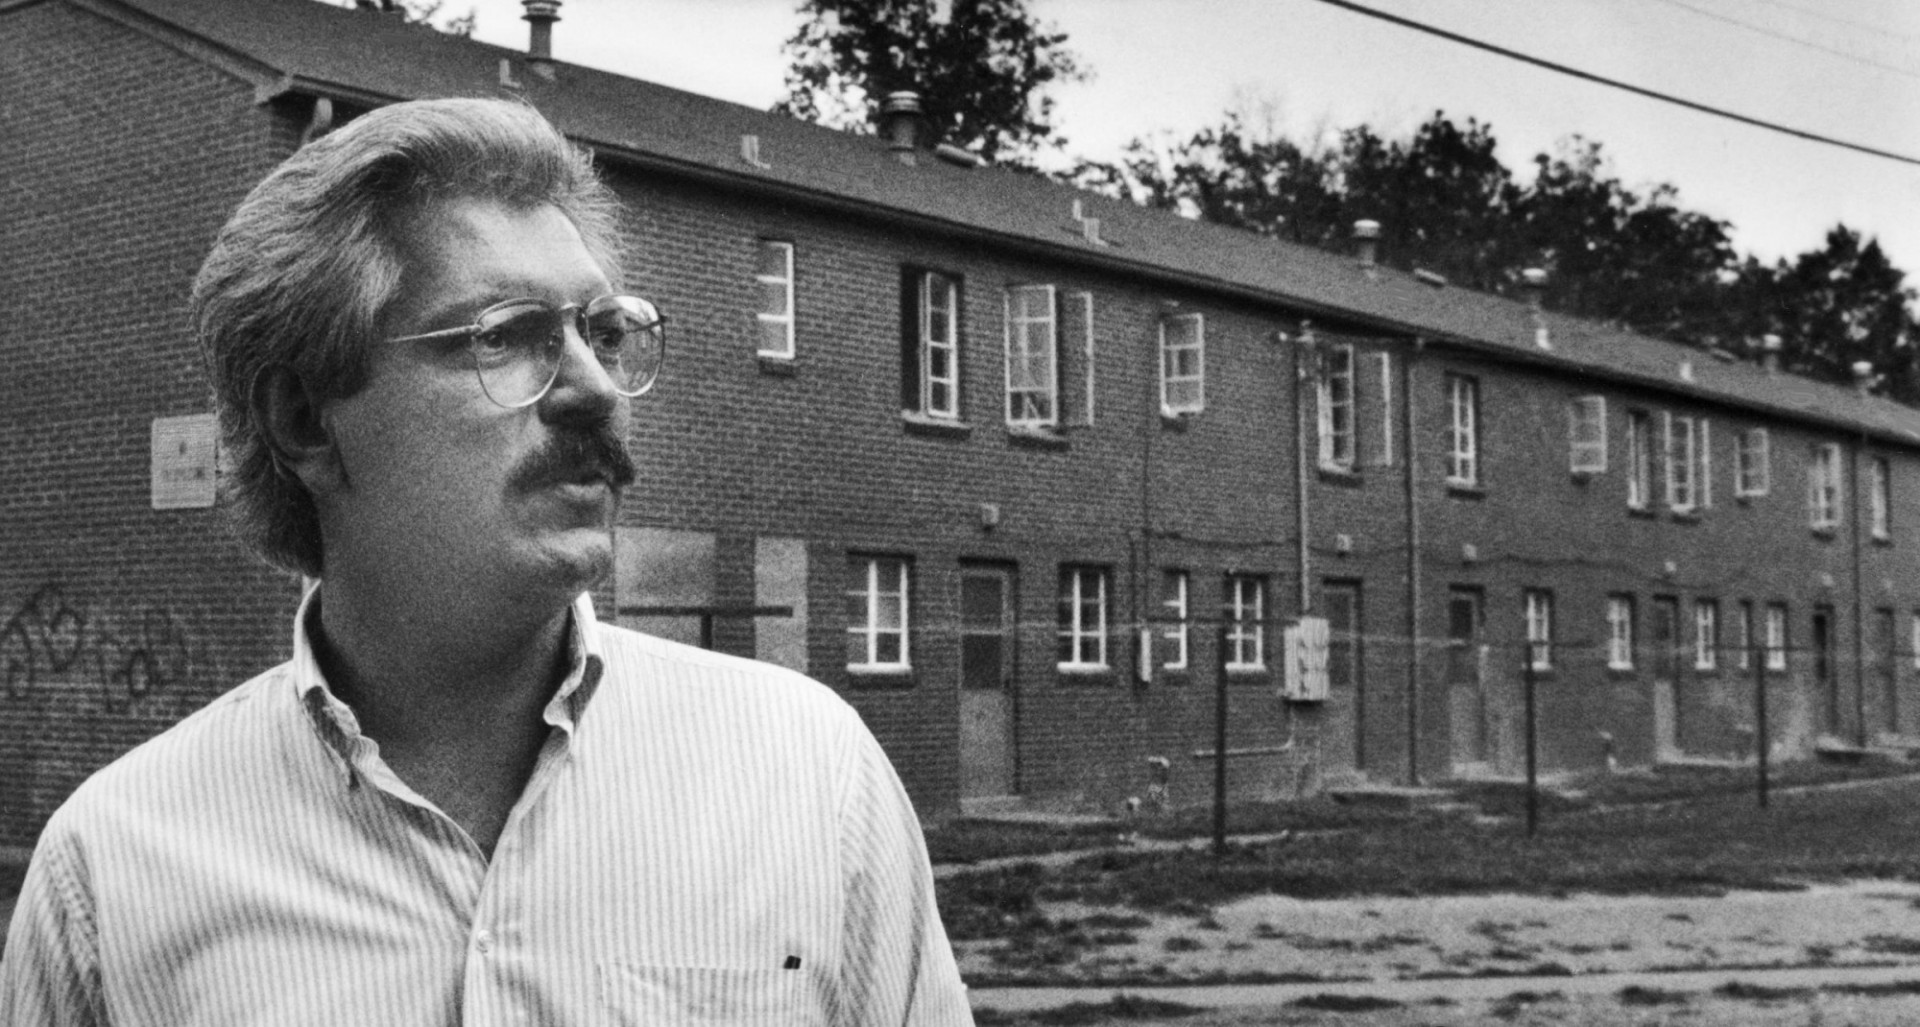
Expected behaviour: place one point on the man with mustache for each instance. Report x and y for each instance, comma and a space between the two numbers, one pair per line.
463, 800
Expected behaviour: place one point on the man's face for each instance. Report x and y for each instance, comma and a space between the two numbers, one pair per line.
460, 495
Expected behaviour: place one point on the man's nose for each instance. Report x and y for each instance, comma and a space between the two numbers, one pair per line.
582, 387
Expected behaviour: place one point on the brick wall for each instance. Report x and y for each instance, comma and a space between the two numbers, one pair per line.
120, 159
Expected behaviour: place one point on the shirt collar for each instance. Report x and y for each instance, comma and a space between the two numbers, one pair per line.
339, 729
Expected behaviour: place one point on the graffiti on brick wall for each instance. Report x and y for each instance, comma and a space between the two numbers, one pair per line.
51, 641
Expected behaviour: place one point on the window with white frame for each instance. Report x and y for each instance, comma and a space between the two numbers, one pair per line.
1173, 591
1741, 644
1463, 430
1183, 361
1620, 632
1639, 459
877, 613
1246, 622
1755, 472
1703, 485
1383, 439
1336, 407
1823, 487
931, 351
1587, 434
1539, 607
1913, 639
774, 272
1033, 365
1677, 445
1776, 636
1083, 618
1706, 634
1880, 496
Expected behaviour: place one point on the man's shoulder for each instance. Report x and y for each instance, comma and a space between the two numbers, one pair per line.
209, 745
649, 664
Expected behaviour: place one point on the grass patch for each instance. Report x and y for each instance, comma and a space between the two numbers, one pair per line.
1701, 848
1345, 1003
1088, 1014
1635, 995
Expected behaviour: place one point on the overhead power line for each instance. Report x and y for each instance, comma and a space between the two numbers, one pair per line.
1795, 40
1880, 30
1616, 83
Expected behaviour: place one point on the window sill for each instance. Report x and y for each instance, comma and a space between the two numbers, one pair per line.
1176, 420
1685, 516
1249, 674
1621, 674
879, 678
1031, 437
1581, 477
1465, 490
1641, 512
917, 423
1825, 533
1341, 475
776, 366
1077, 675
1883, 540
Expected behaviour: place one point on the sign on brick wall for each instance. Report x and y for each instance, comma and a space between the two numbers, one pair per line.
183, 456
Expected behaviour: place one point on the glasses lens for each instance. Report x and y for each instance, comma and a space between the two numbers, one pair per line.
517, 351
629, 336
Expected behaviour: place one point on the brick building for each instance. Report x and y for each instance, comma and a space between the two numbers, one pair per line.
1025, 473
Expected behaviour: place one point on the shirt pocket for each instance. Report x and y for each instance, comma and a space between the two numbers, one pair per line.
641, 994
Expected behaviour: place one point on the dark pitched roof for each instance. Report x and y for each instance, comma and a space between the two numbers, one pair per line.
303, 46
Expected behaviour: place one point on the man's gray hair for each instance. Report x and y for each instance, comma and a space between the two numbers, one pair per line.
304, 272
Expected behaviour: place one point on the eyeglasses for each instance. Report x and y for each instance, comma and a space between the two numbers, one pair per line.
516, 345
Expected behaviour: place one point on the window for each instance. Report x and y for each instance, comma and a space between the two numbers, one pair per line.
1880, 494
877, 613
1246, 622
1383, 449
774, 272
1755, 477
930, 345
1743, 635
1678, 442
1619, 632
1539, 628
1173, 587
1183, 352
1706, 634
1336, 407
1463, 432
1587, 434
1083, 618
1776, 636
1639, 459
1823, 487
1914, 639
1033, 366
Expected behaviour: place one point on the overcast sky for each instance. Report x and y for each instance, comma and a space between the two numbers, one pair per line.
1848, 69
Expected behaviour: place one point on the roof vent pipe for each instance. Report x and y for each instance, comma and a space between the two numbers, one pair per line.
1862, 377
902, 124
1770, 346
1533, 282
541, 14
1366, 240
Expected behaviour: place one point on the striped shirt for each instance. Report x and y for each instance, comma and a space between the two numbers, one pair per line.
704, 839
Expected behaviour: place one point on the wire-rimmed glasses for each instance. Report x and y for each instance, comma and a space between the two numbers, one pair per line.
516, 345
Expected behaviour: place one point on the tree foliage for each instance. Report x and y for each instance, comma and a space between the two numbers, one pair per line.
981, 72
422, 12
1631, 257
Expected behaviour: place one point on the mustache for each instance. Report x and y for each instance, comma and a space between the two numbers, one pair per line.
567, 452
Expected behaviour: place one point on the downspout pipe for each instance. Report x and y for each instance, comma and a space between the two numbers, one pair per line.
1413, 562
1304, 379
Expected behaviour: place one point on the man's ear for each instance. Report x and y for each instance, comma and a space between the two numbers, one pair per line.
293, 429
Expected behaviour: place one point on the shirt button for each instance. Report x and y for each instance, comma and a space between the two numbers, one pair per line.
483, 940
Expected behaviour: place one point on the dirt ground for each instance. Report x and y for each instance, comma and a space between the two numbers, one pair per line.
1586, 959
